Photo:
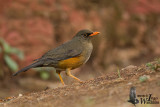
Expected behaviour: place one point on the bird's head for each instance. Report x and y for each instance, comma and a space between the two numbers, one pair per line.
86, 34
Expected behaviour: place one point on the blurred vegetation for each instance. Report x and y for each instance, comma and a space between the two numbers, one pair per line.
154, 67
130, 35
144, 78
118, 72
6, 52
46, 73
129, 30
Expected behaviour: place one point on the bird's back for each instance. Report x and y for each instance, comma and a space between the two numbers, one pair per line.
64, 51
71, 54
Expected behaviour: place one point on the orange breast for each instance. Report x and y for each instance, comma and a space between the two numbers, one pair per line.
71, 63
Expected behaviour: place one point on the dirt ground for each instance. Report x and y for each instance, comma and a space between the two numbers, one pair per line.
109, 90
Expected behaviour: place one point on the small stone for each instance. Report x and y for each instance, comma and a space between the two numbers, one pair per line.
130, 83
20, 95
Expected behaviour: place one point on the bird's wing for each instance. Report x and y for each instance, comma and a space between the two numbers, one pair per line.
62, 52
53, 56
64, 55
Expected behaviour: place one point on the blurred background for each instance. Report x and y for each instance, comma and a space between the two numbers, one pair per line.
130, 34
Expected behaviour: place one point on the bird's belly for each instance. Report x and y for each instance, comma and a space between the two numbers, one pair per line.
77, 61
71, 63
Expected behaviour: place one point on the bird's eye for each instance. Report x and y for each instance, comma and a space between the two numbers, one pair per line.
85, 35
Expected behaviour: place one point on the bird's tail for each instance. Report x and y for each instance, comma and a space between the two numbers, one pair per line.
36, 64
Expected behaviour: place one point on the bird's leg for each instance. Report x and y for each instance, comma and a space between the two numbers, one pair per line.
69, 74
58, 72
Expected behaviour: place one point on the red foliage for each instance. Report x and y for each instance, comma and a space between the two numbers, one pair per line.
142, 6
35, 26
29, 26
4, 4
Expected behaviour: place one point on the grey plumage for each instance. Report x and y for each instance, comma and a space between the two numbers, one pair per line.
80, 43
33, 65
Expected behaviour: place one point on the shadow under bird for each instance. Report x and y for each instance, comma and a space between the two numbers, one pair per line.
67, 56
132, 96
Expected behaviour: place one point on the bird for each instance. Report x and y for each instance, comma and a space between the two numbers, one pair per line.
68, 56
132, 96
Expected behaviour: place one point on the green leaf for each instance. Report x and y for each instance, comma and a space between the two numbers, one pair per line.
149, 64
8, 49
119, 74
17, 52
44, 75
6, 46
11, 63
143, 78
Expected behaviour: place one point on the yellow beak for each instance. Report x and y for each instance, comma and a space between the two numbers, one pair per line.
94, 33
